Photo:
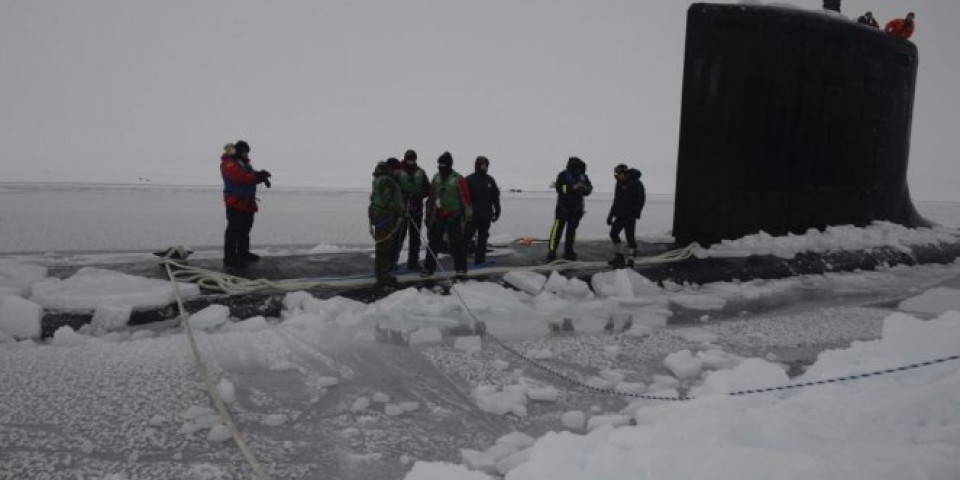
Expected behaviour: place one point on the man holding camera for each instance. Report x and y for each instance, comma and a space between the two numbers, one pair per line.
240, 182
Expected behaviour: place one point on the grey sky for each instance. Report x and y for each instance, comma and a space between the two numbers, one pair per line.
116, 90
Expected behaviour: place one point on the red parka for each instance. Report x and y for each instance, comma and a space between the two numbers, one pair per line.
239, 184
899, 27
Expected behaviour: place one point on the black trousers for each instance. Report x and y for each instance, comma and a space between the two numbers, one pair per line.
568, 221
236, 240
385, 252
453, 228
628, 225
480, 226
414, 227
399, 235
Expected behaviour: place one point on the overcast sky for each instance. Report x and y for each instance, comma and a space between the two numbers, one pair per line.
118, 90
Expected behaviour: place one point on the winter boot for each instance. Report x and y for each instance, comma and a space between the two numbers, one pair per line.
570, 255
630, 258
618, 261
243, 248
551, 256
388, 283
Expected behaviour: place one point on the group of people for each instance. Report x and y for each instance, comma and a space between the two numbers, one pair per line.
458, 208
572, 186
898, 27
453, 208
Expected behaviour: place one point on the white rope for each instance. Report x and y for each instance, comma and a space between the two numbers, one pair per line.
234, 285
212, 390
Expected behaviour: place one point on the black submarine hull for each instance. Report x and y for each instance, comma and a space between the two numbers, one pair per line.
791, 120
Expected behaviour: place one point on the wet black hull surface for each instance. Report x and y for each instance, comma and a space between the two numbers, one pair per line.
791, 119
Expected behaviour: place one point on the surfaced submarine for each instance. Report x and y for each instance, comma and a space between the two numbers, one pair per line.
791, 119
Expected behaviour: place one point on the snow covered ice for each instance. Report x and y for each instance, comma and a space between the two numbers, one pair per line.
316, 397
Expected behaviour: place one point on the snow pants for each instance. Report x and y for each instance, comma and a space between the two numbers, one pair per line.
236, 239
453, 228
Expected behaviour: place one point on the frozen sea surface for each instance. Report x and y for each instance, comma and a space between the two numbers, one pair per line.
316, 397
87, 217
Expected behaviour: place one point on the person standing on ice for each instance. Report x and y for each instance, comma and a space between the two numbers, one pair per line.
486, 207
629, 197
240, 197
449, 208
386, 216
416, 187
868, 20
572, 186
901, 27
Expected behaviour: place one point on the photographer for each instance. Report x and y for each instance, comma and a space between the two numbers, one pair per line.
240, 197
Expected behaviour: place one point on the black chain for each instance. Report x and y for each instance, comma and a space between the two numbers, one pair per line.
607, 391
856, 376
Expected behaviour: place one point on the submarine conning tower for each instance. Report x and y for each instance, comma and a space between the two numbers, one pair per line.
790, 120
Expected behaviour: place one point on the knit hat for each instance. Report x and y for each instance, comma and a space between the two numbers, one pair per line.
242, 146
410, 155
481, 160
445, 159
574, 164
620, 168
393, 163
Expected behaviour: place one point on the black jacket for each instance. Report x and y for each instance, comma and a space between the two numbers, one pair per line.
863, 20
629, 197
569, 198
485, 195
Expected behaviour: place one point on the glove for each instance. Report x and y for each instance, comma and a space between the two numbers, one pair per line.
262, 177
609, 219
496, 216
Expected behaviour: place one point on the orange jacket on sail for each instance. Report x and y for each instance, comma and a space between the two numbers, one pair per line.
899, 27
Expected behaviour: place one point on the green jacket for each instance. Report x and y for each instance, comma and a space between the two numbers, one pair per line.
386, 199
449, 197
415, 187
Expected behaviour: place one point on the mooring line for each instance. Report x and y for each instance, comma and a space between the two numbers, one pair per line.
606, 391
212, 391
674, 256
